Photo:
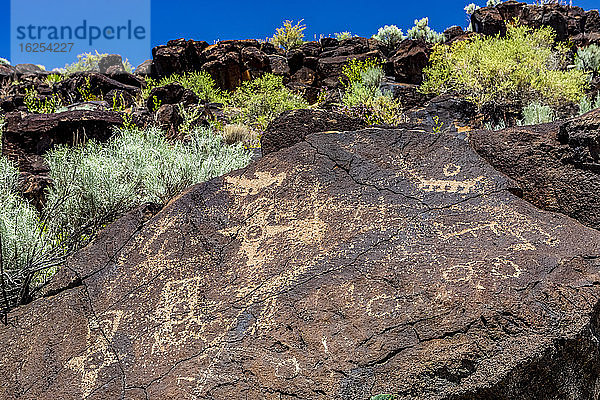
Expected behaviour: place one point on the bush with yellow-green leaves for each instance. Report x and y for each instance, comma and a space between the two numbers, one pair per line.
523, 66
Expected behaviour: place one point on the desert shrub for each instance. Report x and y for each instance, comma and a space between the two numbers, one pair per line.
524, 65
363, 96
95, 183
46, 105
470, 9
4, 61
23, 242
53, 79
588, 58
422, 31
199, 82
237, 133
2, 123
390, 36
343, 35
89, 62
495, 127
289, 36
257, 102
384, 397
536, 113
588, 104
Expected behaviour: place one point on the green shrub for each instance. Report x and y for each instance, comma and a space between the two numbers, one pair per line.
53, 79
289, 36
422, 31
257, 102
47, 105
343, 35
4, 61
588, 59
95, 183
587, 104
23, 241
522, 66
89, 62
390, 36
493, 3
536, 113
363, 96
199, 82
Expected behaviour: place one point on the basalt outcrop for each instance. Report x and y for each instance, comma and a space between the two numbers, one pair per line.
348, 265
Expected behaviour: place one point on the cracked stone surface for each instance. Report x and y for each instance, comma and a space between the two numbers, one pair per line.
556, 165
351, 264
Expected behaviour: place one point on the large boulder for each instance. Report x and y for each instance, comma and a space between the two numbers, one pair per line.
556, 165
353, 264
293, 126
95, 85
409, 61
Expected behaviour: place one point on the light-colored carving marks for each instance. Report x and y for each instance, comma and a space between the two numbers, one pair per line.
96, 357
179, 311
449, 186
243, 186
459, 273
451, 170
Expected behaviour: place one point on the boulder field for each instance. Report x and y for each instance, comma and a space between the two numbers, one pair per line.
348, 265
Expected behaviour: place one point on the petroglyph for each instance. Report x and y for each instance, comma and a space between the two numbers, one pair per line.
451, 170
450, 186
244, 186
97, 356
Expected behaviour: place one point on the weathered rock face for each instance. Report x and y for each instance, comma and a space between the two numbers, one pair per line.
293, 126
567, 22
229, 62
445, 113
556, 165
409, 61
348, 265
34, 134
98, 85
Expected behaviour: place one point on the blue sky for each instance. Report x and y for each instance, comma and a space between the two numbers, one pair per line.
235, 19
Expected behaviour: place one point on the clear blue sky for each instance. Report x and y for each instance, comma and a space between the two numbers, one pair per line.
235, 19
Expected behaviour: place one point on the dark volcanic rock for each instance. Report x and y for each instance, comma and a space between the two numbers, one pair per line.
178, 56
293, 126
566, 21
556, 165
346, 266
24, 69
145, 69
173, 93
111, 61
445, 112
409, 61
35, 134
96, 84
